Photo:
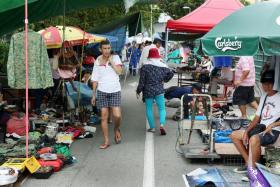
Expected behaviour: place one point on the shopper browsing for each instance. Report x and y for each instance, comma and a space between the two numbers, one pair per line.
244, 81
106, 84
152, 77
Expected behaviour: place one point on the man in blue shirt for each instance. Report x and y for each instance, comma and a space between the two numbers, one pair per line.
133, 55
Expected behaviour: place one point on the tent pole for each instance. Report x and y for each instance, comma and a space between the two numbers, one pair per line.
81, 65
63, 81
166, 43
126, 72
26, 78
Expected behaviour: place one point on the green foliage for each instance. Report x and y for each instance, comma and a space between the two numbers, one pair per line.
145, 10
90, 18
175, 7
245, 2
4, 50
86, 18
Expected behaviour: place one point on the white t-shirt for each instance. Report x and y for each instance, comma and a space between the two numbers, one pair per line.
271, 110
108, 80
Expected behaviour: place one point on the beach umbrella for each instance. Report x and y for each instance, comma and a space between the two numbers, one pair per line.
245, 32
53, 36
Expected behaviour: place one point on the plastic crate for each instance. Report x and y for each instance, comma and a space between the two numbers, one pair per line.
16, 163
32, 164
20, 163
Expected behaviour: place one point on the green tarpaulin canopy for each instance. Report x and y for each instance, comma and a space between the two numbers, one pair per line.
12, 11
246, 31
133, 21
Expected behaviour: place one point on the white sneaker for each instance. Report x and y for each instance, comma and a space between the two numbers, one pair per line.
245, 179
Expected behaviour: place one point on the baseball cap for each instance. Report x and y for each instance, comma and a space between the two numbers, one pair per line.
197, 86
268, 77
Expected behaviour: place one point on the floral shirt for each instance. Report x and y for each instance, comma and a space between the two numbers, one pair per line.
40, 74
152, 79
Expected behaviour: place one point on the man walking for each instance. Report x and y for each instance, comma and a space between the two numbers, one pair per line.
106, 84
244, 82
134, 54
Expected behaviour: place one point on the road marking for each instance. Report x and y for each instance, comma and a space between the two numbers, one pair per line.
149, 164
134, 84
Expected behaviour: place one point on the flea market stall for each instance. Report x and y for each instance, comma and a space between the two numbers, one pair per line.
212, 12
39, 140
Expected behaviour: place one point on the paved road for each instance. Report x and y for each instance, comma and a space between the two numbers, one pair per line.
128, 164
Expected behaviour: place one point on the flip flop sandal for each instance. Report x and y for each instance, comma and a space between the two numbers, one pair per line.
104, 146
116, 140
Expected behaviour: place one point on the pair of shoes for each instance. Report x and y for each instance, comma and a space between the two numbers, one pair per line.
241, 170
152, 130
162, 131
104, 146
118, 140
85, 135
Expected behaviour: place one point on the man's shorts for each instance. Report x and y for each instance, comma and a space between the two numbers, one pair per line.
265, 139
243, 95
269, 138
106, 100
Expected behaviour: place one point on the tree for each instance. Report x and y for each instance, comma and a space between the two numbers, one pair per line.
175, 7
245, 2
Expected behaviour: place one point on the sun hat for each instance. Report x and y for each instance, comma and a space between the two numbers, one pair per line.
153, 53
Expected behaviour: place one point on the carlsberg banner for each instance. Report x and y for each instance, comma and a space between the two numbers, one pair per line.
230, 46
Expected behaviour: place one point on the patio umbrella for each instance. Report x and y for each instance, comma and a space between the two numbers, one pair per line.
246, 31
53, 36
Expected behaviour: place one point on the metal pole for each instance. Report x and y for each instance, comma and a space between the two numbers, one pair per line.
166, 43
26, 78
151, 26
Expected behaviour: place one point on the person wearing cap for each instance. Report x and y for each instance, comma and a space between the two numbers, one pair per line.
152, 77
264, 130
144, 56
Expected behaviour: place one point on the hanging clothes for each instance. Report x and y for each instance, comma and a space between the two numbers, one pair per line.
40, 74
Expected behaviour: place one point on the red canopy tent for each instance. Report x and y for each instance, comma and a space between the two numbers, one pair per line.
204, 18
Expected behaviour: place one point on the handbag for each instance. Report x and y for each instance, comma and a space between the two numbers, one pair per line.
67, 59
